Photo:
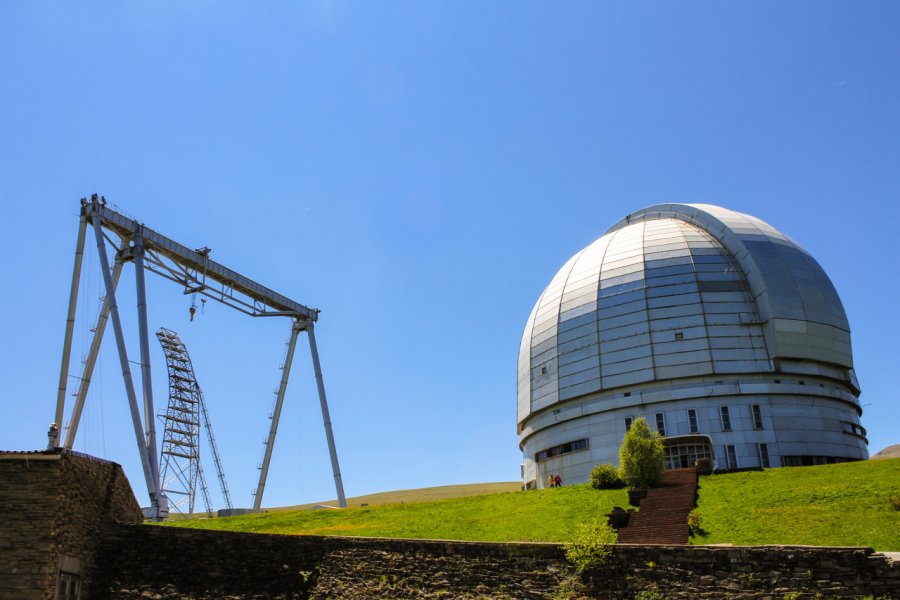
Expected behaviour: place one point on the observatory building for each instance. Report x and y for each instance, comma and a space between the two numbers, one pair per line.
719, 330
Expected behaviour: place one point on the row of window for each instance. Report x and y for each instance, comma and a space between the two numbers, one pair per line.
693, 423
561, 449
854, 429
762, 454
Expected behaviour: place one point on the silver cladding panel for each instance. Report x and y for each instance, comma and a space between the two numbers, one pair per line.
673, 292
654, 299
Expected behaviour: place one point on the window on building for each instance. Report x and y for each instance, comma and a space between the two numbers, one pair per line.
731, 456
681, 456
757, 416
661, 424
854, 429
808, 461
561, 449
679, 336
726, 418
763, 455
68, 587
628, 422
692, 420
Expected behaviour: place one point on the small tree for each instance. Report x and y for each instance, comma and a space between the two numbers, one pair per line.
642, 458
591, 545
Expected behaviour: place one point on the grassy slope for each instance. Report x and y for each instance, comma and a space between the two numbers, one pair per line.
442, 492
832, 505
539, 515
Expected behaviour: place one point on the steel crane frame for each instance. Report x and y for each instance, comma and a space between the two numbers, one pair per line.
193, 270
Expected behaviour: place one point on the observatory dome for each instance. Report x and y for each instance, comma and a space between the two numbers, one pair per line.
723, 333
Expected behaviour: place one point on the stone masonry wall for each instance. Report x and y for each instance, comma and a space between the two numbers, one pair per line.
28, 486
93, 493
53, 507
182, 563
168, 563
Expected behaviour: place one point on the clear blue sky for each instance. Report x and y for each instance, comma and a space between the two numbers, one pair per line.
419, 171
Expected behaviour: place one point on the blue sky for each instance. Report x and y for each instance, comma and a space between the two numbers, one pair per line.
419, 171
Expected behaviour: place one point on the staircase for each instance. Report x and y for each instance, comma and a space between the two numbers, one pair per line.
662, 517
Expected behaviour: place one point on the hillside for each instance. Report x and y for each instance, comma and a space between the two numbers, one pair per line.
539, 516
442, 492
892, 451
832, 505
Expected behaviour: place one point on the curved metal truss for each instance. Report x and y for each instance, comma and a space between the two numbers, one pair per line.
182, 470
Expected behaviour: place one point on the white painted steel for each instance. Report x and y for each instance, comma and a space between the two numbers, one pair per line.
276, 416
87, 371
67, 340
673, 300
144, 452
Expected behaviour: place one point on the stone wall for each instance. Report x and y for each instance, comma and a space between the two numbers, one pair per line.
28, 487
169, 563
53, 507
181, 563
62, 513
746, 572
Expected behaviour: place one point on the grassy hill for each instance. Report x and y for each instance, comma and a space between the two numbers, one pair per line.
836, 505
538, 515
441, 492
831, 505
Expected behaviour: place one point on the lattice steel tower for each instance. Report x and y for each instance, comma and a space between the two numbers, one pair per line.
181, 470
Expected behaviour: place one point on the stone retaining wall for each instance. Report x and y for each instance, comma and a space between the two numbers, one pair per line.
168, 563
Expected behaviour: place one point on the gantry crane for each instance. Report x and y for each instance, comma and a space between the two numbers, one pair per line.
196, 274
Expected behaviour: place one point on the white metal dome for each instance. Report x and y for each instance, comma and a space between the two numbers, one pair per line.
680, 291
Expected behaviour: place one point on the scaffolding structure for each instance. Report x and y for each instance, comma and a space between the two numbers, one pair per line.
181, 470
196, 274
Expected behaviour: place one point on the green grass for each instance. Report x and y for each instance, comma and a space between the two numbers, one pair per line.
832, 505
537, 515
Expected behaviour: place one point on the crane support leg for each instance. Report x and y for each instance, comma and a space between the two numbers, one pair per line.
144, 335
270, 441
70, 325
88, 370
152, 484
320, 384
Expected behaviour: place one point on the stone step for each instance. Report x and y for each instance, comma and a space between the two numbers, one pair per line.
662, 516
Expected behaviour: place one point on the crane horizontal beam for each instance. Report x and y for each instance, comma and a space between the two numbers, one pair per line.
197, 268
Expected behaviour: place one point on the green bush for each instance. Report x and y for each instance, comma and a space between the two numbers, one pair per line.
649, 594
694, 523
591, 546
642, 458
605, 477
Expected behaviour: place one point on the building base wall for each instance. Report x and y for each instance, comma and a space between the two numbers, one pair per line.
809, 417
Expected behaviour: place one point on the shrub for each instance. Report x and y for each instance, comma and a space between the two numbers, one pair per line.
591, 546
694, 524
650, 593
605, 477
642, 458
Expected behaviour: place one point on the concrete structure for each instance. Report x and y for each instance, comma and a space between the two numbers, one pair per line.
720, 331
